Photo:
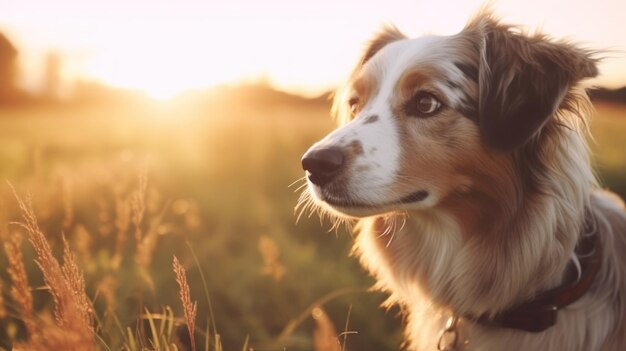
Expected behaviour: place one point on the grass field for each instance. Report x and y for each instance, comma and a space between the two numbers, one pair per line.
131, 186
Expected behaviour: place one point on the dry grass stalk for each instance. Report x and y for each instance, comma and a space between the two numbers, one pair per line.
82, 243
145, 248
271, 263
66, 201
76, 282
145, 242
138, 204
106, 288
3, 311
147, 245
325, 335
185, 297
122, 223
20, 289
104, 217
73, 312
49, 336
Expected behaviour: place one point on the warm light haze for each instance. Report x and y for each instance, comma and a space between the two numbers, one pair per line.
165, 47
156, 195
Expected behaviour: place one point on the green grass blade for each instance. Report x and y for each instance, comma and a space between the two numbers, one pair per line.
345, 329
165, 343
207, 336
119, 326
102, 342
245, 344
294, 323
170, 324
131, 339
218, 343
155, 336
204, 285
162, 324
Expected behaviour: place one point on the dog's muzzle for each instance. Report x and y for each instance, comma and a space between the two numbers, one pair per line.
323, 165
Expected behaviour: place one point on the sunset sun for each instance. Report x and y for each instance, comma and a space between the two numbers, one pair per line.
265, 175
163, 48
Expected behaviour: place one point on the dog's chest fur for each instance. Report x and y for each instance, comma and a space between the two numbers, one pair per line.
423, 266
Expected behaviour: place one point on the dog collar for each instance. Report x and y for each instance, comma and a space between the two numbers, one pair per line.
540, 313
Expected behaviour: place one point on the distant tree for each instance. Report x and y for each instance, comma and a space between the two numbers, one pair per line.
8, 69
613, 95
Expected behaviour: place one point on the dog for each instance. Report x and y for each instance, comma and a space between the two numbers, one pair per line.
463, 161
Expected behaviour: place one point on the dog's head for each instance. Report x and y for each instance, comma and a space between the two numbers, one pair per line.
420, 118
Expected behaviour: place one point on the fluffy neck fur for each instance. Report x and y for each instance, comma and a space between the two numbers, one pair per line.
482, 251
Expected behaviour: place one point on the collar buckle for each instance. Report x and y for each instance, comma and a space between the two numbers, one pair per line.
449, 336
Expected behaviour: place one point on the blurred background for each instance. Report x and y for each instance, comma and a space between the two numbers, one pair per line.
146, 129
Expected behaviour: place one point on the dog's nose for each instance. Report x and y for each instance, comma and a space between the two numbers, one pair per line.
322, 164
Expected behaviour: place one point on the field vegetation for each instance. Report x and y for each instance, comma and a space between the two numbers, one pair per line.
143, 225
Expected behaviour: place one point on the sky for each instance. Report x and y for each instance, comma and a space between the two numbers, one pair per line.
165, 47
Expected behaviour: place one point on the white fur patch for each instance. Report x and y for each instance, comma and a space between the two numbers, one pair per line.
373, 173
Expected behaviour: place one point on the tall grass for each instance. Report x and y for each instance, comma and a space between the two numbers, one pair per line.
190, 308
73, 323
73, 315
117, 193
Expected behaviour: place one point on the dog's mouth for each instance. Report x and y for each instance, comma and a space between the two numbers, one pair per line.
344, 202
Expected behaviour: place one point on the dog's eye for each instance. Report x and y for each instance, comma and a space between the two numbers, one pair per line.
424, 104
354, 105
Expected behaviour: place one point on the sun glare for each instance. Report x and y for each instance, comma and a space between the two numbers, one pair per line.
161, 61
164, 48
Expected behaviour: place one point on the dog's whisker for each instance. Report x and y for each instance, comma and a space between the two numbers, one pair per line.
296, 181
301, 208
305, 205
300, 187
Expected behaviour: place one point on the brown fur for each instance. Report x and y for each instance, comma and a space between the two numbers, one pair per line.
387, 35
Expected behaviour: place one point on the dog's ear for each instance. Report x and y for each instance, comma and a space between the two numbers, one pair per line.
522, 82
386, 35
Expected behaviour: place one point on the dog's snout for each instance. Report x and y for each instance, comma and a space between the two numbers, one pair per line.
323, 164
